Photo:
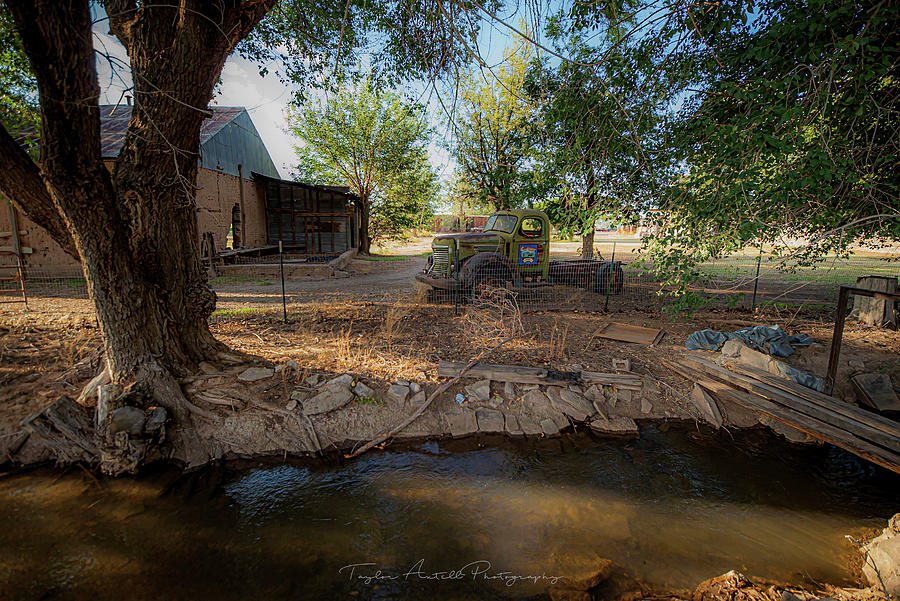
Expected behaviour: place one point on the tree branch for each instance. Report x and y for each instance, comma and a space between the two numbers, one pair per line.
21, 181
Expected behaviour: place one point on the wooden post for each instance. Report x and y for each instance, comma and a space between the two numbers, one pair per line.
874, 311
243, 240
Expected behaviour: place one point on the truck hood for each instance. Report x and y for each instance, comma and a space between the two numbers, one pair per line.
468, 237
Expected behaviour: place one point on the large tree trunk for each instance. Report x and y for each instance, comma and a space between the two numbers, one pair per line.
135, 229
587, 243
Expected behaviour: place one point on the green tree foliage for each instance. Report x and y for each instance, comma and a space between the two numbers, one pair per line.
792, 131
19, 109
375, 143
493, 133
600, 152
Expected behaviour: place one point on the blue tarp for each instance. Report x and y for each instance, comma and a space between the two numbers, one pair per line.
766, 339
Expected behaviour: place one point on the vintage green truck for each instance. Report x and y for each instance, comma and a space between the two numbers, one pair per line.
512, 251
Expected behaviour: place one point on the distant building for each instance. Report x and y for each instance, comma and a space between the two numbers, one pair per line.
240, 198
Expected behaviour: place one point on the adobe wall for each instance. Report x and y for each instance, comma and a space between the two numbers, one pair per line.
216, 195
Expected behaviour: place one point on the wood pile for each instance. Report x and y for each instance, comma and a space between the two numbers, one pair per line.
868, 435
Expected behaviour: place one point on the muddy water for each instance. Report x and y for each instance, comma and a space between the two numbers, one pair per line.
674, 507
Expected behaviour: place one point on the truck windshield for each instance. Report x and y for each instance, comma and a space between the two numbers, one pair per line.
501, 223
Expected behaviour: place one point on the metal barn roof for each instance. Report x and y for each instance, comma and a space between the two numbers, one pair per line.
227, 139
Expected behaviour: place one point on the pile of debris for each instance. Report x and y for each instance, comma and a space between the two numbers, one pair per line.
761, 383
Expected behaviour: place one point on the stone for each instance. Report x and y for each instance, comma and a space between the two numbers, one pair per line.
208, 368
418, 398
884, 552
414, 387
127, 419
155, 421
345, 379
549, 427
398, 392
529, 426
362, 391
618, 426
490, 421
754, 358
706, 405
594, 393
462, 423
298, 395
252, 374
313, 380
621, 364
732, 348
495, 402
291, 405
403, 382
625, 395
289, 365
509, 390
576, 389
646, 407
479, 391
856, 364
512, 427
570, 403
331, 397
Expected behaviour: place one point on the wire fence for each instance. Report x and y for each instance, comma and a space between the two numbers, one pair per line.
614, 280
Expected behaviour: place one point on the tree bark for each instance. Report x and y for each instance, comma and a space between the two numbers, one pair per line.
365, 241
587, 243
135, 230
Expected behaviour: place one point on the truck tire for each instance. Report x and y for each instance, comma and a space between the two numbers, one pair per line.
610, 279
486, 270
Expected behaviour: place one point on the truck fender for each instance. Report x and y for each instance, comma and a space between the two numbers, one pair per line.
494, 264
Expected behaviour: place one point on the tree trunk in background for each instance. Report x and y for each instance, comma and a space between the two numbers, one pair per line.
135, 230
587, 243
365, 241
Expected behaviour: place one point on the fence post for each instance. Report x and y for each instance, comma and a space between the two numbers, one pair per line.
756, 281
281, 263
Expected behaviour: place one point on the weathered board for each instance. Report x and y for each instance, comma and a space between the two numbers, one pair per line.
538, 375
876, 391
628, 333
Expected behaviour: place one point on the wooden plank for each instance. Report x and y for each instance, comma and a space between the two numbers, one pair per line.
875, 390
628, 333
817, 429
889, 439
873, 419
538, 375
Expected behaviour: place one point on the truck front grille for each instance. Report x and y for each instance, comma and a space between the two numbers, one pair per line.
441, 259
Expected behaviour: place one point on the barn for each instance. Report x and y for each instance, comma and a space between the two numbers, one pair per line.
241, 202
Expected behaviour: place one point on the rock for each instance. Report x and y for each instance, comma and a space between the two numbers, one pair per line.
418, 398
127, 419
208, 368
495, 402
331, 397
529, 427
549, 427
856, 364
155, 422
512, 427
403, 382
291, 405
594, 393
479, 391
298, 395
619, 426
313, 380
414, 387
732, 348
345, 379
884, 552
706, 405
490, 421
625, 395
754, 358
462, 423
288, 365
576, 389
646, 407
363, 391
398, 392
252, 374
509, 390
570, 403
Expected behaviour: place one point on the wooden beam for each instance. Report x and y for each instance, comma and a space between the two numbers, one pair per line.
538, 375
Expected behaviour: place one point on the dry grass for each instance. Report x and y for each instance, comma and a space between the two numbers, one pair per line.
558, 337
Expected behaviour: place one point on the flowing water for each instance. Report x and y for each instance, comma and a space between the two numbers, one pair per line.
673, 507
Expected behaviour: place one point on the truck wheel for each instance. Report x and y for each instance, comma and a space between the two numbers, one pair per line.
610, 279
